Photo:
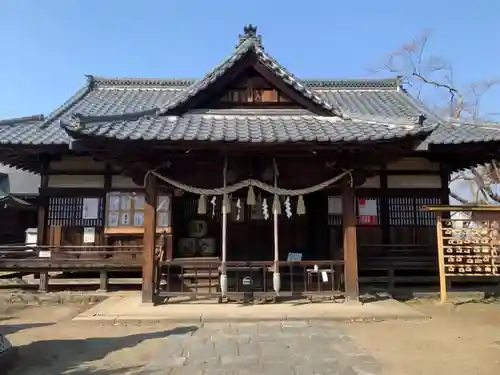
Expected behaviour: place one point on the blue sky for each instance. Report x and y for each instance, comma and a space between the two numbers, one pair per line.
47, 46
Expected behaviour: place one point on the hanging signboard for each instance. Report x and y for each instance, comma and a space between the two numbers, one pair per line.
90, 208
89, 235
367, 211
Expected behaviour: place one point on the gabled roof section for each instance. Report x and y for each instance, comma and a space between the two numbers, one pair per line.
250, 50
455, 132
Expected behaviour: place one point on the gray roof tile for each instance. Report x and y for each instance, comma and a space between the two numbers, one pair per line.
460, 133
250, 45
249, 128
111, 96
132, 108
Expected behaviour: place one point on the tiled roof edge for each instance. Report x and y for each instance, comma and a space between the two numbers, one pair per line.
376, 83
22, 120
84, 119
79, 95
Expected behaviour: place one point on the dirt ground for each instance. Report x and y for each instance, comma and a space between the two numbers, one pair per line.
459, 339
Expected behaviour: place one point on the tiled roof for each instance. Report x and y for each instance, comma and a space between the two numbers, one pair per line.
246, 126
134, 108
459, 133
114, 96
250, 46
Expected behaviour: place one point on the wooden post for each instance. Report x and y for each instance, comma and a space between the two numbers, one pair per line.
103, 281
276, 274
442, 271
149, 239
350, 241
225, 202
42, 222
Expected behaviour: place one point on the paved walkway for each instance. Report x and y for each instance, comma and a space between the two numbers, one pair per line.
128, 309
289, 348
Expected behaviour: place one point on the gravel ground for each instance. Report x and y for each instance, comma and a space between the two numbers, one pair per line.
462, 339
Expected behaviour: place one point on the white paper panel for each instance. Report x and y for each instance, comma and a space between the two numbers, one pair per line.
76, 181
414, 164
119, 181
73, 163
411, 182
372, 182
334, 206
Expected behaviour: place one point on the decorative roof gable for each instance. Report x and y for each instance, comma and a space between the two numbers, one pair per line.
249, 53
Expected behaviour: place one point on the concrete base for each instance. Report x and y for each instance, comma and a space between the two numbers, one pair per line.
128, 309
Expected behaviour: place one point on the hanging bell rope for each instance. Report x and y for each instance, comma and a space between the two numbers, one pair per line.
227, 203
277, 204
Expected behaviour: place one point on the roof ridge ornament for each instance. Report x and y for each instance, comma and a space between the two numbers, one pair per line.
250, 33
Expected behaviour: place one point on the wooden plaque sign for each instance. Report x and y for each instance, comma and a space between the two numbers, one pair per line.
469, 251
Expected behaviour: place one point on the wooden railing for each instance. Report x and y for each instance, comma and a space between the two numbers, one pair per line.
398, 264
43, 258
199, 278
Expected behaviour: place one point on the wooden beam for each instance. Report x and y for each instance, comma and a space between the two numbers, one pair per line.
149, 240
350, 241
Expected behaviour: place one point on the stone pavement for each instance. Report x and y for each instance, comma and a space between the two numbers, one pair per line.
291, 348
125, 309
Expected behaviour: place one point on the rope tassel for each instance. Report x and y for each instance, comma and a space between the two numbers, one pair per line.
301, 206
277, 205
202, 205
251, 196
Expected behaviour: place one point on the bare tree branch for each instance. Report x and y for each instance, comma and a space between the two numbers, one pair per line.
423, 71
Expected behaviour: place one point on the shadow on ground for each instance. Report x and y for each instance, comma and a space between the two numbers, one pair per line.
72, 356
8, 329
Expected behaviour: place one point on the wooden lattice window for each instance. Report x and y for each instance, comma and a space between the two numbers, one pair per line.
408, 211
76, 211
409, 223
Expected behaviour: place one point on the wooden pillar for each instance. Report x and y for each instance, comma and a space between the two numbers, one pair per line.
443, 293
149, 240
349, 222
384, 206
101, 238
42, 223
225, 204
103, 281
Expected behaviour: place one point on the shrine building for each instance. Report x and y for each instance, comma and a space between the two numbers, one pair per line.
248, 179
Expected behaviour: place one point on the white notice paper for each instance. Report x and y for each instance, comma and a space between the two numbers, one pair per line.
294, 257
368, 207
114, 202
90, 208
324, 276
44, 254
334, 206
89, 235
